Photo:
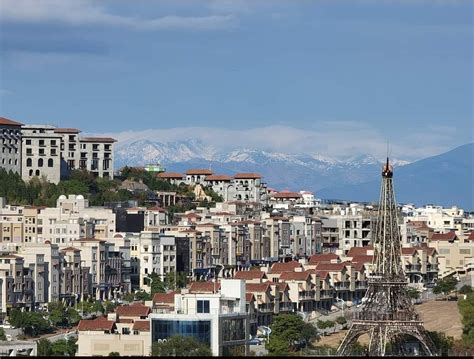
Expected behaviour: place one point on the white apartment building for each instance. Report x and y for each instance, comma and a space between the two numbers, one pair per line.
53, 152
10, 145
217, 319
72, 219
440, 219
41, 153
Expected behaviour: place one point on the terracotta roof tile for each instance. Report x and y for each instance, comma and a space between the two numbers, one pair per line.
287, 194
204, 287
362, 259
450, 236
251, 274
218, 178
199, 171
331, 267
69, 249
95, 325
471, 236
170, 175
141, 325
7, 122
301, 276
408, 251
97, 139
164, 298
257, 287
249, 297
326, 257
134, 310
359, 251
247, 176
285, 266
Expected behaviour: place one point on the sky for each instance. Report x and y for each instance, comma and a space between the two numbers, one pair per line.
328, 76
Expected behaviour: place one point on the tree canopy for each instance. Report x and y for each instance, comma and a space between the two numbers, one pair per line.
445, 285
32, 323
181, 346
287, 331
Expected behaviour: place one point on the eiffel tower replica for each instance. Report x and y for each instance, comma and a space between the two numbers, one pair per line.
387, 315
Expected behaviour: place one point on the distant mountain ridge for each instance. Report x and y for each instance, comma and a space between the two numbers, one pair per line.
353, 178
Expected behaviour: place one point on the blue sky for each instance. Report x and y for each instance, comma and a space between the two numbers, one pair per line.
399, 70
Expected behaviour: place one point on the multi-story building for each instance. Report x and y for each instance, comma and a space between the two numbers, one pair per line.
216, 317
10, 145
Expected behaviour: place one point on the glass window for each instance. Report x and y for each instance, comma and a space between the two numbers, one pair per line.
203, 306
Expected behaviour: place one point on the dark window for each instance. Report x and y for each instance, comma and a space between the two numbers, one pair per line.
203, 306
50, 162
40, 162
29, 162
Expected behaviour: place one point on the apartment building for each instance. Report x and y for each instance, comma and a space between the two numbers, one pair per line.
455, 253
216, 317
10, 145
126, 331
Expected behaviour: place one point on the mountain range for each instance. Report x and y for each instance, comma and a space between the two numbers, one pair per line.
446, 179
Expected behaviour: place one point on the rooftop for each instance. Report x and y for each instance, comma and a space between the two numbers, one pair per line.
8, 122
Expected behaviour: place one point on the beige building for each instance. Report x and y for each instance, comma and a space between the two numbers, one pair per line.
10, 145
127, 331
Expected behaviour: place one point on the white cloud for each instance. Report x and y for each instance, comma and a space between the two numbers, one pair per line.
87, 12
331, 139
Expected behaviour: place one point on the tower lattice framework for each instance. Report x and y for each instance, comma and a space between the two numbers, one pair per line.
387, 315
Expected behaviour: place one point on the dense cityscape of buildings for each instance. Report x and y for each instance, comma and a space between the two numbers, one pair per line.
259, 251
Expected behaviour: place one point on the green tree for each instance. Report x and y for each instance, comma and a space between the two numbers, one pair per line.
32, 323
442, 342
142, 296
287, 330
413, 293
44, 348
64, 347
3, 336
466, 308
114, 354
181, 346
445, 285
465, 289
341, 320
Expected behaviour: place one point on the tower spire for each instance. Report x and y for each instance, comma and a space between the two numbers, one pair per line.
387, 315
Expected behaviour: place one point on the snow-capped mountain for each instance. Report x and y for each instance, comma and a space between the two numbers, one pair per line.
281, 170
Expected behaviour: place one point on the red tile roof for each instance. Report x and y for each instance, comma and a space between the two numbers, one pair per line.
97, 139
218, 178
257, 287
359, 251
287, 194
157, 209
199, 171
358, 266
134, 310
191, 215
408, 251
141, 325
450, 236
362, 259
331, 267
282, 286
164, 298
285, 266
301, 276
251, 274
118, 236
247, 176
429, 250
99, 324
471, 236
326, 257
66, 130
7, 122
249, 297
170, 175
204, 287
322, 274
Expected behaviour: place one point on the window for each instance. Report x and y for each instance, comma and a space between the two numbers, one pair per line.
50, 162
28, 142
40, 162
203, 306
29, 162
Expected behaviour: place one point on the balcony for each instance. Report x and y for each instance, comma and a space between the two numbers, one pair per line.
265, 308
412, 268
286, 307
306, 295
342, 286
